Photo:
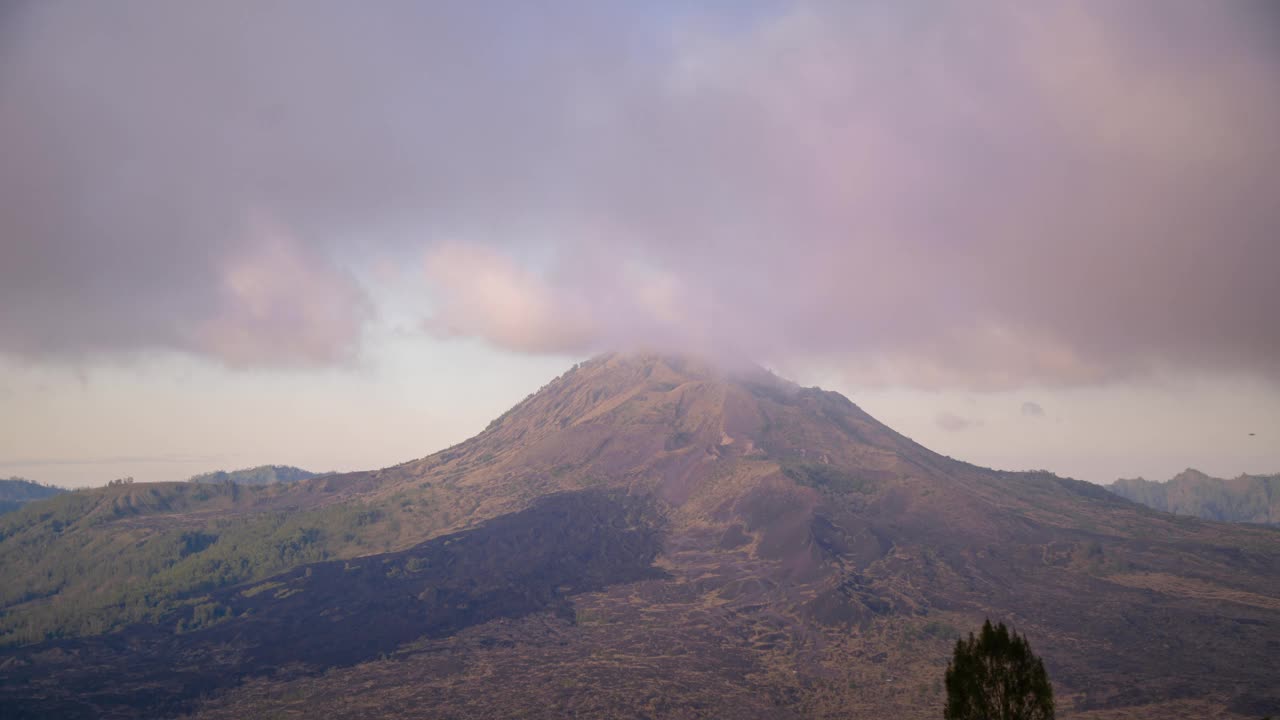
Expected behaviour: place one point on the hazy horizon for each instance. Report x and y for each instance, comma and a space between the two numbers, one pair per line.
977, 433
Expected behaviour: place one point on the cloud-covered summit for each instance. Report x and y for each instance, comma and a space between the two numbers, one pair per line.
942, 195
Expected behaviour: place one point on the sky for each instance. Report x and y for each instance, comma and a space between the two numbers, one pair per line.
344, 235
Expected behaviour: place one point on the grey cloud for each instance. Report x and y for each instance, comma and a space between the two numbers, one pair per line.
147, 145
1032, 409
954, 423
982, 197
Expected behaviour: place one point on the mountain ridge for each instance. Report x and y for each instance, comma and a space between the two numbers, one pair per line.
257, 475
1244, 498
16, 492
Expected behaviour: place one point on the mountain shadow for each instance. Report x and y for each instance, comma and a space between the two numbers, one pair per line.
340, 613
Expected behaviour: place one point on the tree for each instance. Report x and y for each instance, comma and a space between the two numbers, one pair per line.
995, 676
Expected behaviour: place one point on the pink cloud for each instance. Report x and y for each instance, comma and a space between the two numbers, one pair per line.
484, 292
1051, 194
281, 305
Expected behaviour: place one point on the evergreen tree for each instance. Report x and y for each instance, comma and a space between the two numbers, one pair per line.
995, 676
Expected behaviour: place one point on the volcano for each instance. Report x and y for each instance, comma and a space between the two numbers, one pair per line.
652, 536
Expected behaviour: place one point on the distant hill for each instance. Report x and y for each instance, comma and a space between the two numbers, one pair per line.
1247, 498
261, 475
16, 492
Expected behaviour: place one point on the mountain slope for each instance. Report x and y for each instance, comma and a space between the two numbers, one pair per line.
16, 492
1247, 498
95, 560
665, 538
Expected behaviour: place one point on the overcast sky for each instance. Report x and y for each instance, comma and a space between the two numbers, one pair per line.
343, 235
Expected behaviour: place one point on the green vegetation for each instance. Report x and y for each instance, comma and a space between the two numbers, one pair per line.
260, 475
16, 492
827, 477
93, 561
203, 615
995, 676
1248, 498
21, 489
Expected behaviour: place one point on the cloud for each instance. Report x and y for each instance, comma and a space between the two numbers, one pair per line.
954, 423
966, 197
1032, 409
140, 142
280, 305
487, 293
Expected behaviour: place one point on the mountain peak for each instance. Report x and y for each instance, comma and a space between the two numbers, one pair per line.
688, 366
671, 425
601, 386
1190, 475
